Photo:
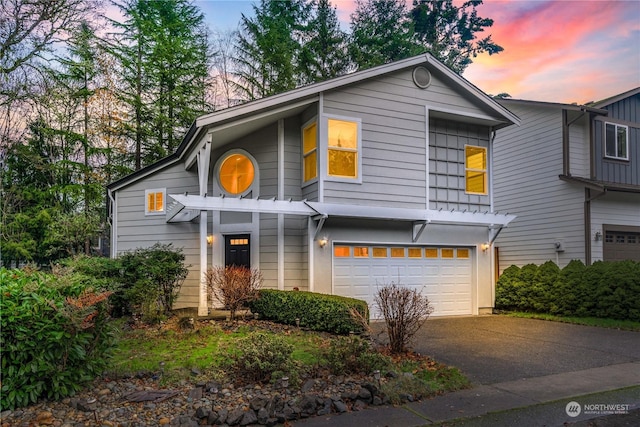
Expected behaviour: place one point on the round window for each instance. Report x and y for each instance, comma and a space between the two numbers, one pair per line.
236, 174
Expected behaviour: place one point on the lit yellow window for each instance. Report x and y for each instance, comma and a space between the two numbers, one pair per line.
361, 252
379, 252
397, 252
236, 242
431, 252
310, 152
475, 169
155, 201
463, 253
447, 253
343, 148
415, 253
341, 251
236, 174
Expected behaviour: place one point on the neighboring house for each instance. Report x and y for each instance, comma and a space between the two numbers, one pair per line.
338, 187
571, 175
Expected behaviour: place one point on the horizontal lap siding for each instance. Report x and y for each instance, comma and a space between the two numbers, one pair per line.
393, 143
292, 159
137, 230
527, 162
295, 253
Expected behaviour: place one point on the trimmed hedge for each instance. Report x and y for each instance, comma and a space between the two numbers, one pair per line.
319, 312
604, 289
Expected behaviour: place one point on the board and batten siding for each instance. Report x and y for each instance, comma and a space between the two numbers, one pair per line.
612, 209
613, 170
137, 230
447, 140
393, 150
527, 163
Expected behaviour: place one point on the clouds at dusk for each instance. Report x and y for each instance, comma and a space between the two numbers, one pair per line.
554, 50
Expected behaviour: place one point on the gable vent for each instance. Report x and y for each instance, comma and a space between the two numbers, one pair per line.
421, 77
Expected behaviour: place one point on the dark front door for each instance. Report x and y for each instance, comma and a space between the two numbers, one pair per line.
237, 250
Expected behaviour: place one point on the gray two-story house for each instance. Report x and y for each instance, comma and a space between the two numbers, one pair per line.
571, 174
380, 176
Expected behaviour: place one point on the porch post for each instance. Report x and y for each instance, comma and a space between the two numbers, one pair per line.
204, 157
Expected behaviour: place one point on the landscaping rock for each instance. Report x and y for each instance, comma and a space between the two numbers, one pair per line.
249, 417
235, 416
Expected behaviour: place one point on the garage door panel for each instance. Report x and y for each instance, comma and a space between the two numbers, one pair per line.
445, 281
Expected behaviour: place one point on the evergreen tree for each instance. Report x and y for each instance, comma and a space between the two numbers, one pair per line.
381, 32
449, 31
268, 47
324, 53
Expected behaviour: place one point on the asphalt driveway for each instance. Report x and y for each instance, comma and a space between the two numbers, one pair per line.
494, 349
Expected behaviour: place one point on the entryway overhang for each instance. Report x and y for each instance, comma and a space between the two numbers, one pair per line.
187, 207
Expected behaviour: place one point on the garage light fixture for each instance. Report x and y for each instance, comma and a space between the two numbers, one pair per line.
323, 242
210, 239
598, 236
485, 247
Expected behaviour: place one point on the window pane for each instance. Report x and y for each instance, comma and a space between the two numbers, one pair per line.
622, 142
310, 165
610, 138
342, 163
620, 238
463, 253
159, 203
151, 202
431, 252
397, 252
379, 252
476, 158
341, 251
447, 253
309, 138
236, 173
361, 252
476, 182
608, 238
415, 253
343, 134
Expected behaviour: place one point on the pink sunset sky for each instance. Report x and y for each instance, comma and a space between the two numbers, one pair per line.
554, 50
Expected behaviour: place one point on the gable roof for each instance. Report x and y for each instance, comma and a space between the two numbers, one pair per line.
615, 98
280, 105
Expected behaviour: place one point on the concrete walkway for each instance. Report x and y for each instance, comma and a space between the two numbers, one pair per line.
529, 382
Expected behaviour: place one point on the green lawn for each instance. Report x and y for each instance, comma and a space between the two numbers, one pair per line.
627, 325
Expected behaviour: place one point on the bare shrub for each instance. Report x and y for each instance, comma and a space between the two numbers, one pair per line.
233, 286
404, 311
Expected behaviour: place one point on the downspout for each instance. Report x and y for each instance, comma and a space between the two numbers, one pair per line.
112, 220
587, 222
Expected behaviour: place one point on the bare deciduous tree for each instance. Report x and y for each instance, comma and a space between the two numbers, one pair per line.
405, 311
233, 286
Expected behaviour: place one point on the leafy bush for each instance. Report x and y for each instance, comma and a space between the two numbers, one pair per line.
152, 278
261, 355
603, 289
319, 312
233, 286
54, 336
404, 311
353, 355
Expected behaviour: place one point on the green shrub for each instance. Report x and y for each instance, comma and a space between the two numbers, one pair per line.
264, 356
603, 289
319, 312
54, 336
346, 355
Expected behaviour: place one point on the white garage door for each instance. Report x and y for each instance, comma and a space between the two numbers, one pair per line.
443, 274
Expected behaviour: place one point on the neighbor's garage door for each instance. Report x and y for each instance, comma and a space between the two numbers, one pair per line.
443, 274
621, 244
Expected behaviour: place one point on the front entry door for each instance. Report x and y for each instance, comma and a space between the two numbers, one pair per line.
237, 250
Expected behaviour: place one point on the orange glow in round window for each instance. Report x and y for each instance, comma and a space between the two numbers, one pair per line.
236, 174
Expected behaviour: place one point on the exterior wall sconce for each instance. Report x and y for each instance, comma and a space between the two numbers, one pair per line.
485, 247
323, 242
210, 239
598, 236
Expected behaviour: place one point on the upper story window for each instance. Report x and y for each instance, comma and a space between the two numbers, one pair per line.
475, 164
310, 152
616, 137
343, 145
236, 173
155, 201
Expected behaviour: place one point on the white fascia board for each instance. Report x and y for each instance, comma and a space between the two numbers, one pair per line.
233, 204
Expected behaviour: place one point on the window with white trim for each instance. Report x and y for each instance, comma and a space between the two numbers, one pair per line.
475, 168
310, 152
343, 147
615, 141
155, 201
